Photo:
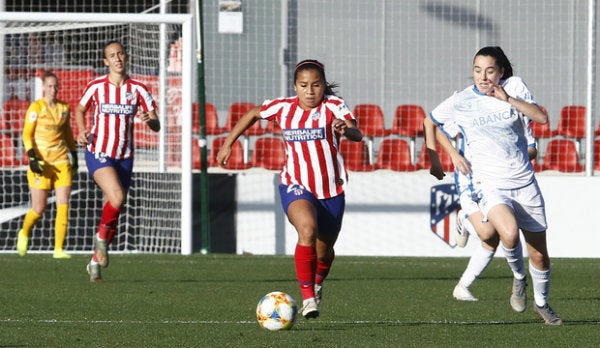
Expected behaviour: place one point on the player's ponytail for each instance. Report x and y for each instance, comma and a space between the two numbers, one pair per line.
501, 59
315, 65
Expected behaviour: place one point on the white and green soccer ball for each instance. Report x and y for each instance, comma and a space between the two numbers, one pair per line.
276, 311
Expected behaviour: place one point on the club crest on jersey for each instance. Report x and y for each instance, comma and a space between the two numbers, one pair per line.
316, 115
128, 95
298, 190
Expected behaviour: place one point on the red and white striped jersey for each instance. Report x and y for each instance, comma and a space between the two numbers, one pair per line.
312, 156
114, 109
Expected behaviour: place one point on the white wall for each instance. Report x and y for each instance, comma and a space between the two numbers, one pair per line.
387, 214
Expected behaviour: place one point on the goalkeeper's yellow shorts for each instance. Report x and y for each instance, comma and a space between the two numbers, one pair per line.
53, 176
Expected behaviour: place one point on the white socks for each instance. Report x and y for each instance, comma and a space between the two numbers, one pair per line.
478, 262
514, 257
541, 285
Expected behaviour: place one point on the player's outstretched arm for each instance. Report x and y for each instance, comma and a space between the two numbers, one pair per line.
82, 136
245, 122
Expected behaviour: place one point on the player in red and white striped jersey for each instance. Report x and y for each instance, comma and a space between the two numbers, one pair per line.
116, 100
313, 177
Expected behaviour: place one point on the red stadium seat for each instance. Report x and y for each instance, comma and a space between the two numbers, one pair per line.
561, 155
356, 155
13, 115
371, 123
268, 153
408, 120
236, 161
196, 160
370, 120
236, 111
212, 120
394, 154
8, 157
424, 162
144, 136
597, 155
571, 122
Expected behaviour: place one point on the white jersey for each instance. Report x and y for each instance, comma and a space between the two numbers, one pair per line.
494, 133
465, 182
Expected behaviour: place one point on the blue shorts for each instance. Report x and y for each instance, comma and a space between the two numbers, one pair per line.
123, 167
330, 212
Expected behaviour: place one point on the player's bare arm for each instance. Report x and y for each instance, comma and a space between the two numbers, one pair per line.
530, 110
82, 136
429, 129
459, 162
245, 122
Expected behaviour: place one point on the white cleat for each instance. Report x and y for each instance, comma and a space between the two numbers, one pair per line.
310, 309
462, 293
462, 234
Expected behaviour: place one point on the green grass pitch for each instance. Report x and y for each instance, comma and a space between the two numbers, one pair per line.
210, 301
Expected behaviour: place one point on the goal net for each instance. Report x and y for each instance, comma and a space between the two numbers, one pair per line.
156, 215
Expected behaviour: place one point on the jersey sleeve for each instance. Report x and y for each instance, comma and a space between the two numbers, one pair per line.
339, 108
517, 88
31, 117
87, 97
146, 101
444, 112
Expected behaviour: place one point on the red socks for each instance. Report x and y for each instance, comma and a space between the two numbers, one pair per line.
108, 222
323, 268
305, 259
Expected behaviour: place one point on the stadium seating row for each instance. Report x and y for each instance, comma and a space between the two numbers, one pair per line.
393, 154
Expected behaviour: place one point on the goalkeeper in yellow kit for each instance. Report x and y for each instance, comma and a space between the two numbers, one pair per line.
50, 147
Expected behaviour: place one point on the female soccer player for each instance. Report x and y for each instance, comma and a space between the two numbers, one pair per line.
117, 99
48, 139
313, 178
491, 114
470, 218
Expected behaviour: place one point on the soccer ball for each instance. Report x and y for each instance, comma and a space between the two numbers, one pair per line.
276, 311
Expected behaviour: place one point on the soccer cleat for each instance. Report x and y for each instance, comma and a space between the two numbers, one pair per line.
22, 242
60, 254
462, 293
93, 270
100, 250
518, 299
549, 316
318, 293
462, 234
310, 309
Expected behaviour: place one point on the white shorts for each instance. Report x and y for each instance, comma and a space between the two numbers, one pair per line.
467, 204
526, 202
464, 187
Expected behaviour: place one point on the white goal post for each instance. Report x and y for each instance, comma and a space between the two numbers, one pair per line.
158, 214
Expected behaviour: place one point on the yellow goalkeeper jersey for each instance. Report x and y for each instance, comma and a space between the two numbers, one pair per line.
48, 131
